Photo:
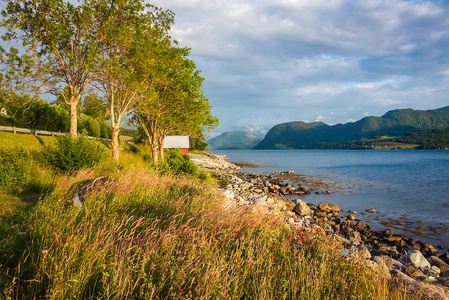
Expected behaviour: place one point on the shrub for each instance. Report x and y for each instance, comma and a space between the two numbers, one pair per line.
70, 154
14, 173
88, 125
179, 163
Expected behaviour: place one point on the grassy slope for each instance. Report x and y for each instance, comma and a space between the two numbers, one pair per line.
152, 236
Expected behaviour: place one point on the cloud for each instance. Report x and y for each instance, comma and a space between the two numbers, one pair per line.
271, 61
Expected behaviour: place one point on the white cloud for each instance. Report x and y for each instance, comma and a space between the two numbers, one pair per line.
276, 61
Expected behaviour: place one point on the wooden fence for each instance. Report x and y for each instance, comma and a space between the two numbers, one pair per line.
42, 132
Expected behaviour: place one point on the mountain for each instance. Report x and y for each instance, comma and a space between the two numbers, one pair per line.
301, 135
232, 140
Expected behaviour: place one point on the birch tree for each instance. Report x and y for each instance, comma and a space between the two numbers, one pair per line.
58, 47
134, 34
174, 103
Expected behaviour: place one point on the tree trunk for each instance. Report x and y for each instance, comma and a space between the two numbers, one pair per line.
114, 141
73, 118
153, 144
161, 147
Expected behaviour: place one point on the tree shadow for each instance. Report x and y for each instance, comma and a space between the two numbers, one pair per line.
40, 140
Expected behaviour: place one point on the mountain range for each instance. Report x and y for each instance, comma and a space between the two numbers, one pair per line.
302, 135
234, 140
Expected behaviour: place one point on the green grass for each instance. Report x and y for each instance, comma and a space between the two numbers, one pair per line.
151, 236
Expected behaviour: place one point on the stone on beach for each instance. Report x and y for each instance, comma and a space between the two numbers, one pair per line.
416, 258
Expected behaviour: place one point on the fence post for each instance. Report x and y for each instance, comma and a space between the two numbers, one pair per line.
14, 129
52, 133
35, 132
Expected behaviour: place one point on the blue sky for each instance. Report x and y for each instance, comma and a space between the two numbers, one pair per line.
266, 62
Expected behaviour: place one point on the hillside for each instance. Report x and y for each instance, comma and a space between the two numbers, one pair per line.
234, 140
300, 135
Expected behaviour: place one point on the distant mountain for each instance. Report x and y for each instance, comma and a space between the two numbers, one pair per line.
233, 140
301, 135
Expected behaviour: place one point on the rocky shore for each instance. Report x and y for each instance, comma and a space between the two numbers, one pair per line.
399, 258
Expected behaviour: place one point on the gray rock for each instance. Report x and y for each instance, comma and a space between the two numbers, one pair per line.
433, 271
416, 258
435, 261
302, 209
391, 263
402, 276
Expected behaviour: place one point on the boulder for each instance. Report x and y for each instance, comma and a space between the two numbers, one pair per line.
302, 209
334, 207
401, 276
433, 271
371, 210
416, 258
360, 225
414, 272
435, 261
350, 217
323, 206
391, 263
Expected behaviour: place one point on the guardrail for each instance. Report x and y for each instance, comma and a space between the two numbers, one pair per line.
42, 132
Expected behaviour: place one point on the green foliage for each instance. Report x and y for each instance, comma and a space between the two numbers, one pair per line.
299, 135
6, 120
179, 163
14, 168
105, 130
39, 114
70, 154
89, 126
427, 139
94, 106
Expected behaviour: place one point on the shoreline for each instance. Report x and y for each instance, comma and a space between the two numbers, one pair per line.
267, 194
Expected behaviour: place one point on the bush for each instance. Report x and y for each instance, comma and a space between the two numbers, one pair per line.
88, 125
14, 173
179, 163
70, 154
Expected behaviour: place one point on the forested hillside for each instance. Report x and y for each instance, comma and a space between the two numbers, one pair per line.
299, 135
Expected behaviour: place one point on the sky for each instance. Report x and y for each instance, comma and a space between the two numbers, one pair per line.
267, 62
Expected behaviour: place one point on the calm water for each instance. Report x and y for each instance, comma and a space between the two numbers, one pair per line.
409, 189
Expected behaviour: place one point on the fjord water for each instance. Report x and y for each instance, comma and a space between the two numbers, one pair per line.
409, 189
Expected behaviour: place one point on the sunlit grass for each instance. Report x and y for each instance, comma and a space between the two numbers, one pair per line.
149, 236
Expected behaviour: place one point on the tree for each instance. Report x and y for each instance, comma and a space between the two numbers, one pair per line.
134, 34
174, 103
59, 48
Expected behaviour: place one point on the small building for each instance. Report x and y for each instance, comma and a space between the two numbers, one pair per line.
177, 141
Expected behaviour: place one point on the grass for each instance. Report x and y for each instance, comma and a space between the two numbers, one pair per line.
151, 236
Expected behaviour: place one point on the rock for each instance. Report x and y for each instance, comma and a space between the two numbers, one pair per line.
414, 272
364, 252
444, 281
371, 210
435, 261
401, 276
391, 263
350, 217
290, 220
433, 271
416, 258
323, 206
360, 225
334, 207
258, 191
445, 274
321, 214
302, 209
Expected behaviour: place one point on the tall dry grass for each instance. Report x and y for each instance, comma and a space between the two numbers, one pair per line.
146, 236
